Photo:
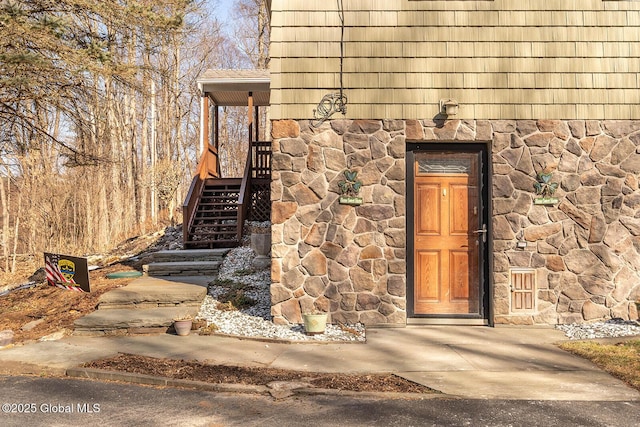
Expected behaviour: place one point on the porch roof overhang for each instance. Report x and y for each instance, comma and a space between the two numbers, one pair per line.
231, 88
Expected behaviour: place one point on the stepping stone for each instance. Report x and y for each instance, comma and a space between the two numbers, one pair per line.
190, 255
150, 292
184, 268
130, 320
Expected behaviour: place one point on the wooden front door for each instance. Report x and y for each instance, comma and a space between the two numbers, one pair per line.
448, 234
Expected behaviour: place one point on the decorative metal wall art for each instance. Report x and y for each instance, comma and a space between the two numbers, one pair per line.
350, 188
545, 188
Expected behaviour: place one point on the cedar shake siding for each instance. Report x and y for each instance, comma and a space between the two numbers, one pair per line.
542, 86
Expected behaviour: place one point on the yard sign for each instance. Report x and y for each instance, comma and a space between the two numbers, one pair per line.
67, 272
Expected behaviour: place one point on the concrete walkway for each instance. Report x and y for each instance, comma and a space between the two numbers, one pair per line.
520, 363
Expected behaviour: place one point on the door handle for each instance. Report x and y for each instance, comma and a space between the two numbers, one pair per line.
482, 231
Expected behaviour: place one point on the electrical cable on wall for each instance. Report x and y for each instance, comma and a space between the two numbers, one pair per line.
332, 103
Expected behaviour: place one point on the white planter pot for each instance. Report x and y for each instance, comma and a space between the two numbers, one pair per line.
315, 324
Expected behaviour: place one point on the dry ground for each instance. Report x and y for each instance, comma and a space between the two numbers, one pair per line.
197, 371
57, 308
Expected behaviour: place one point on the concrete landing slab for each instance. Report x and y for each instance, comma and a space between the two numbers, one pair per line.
370, 357
53, 357
211, 349
591, 385
523, 357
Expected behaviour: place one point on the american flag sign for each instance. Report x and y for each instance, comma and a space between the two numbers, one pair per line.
67, 272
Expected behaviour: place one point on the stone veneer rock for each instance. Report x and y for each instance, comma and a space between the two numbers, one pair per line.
350, 260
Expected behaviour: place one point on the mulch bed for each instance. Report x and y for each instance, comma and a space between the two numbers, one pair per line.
198, 371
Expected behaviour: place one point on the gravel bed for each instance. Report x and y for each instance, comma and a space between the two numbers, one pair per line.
609, 329
255, 321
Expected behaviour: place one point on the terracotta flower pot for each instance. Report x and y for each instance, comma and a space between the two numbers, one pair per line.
182, 327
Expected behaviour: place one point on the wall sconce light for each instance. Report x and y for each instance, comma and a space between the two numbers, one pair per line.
448, 107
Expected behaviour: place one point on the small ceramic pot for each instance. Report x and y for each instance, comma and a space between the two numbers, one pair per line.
182, 327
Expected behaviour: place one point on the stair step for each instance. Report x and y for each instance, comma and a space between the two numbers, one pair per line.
222, 189
217, 221
210, 223
225, 219
228, 205
221, 206
215, 233
214, 221
213, 228
221, 243
190, 255
152, 292
229, 209
130, 321
223, 197
183, 268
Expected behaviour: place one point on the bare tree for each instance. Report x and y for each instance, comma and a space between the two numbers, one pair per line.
79, 148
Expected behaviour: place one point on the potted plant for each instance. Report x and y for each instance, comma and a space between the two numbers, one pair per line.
183, 325
315, 322
261, 245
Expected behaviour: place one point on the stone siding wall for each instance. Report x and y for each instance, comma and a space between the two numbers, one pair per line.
347, 260
350, 261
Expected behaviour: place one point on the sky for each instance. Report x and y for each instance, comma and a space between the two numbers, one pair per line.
223, 8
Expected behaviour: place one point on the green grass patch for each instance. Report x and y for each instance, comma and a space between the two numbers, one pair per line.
244, 272
233, 297
622, 359
225, 283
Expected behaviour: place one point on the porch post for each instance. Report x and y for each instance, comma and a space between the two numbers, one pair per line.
250, 113
257, 116
216, 135
204, 123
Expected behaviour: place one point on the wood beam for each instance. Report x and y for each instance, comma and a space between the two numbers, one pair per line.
204, 122
250, 114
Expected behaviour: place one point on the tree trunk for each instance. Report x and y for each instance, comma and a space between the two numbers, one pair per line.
4, 200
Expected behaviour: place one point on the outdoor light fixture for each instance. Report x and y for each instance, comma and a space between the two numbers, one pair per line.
448, 107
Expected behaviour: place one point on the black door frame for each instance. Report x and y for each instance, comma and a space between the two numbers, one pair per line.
484, 170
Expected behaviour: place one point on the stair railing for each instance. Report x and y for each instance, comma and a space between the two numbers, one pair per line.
258, 166
207, 167
261, 159
244, 197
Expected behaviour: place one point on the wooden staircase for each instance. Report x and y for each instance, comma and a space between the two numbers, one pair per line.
216, 208
215, 223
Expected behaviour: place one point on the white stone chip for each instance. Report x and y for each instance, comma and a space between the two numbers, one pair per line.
255, 321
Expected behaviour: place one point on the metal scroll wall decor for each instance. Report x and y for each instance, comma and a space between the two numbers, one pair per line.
333, 103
